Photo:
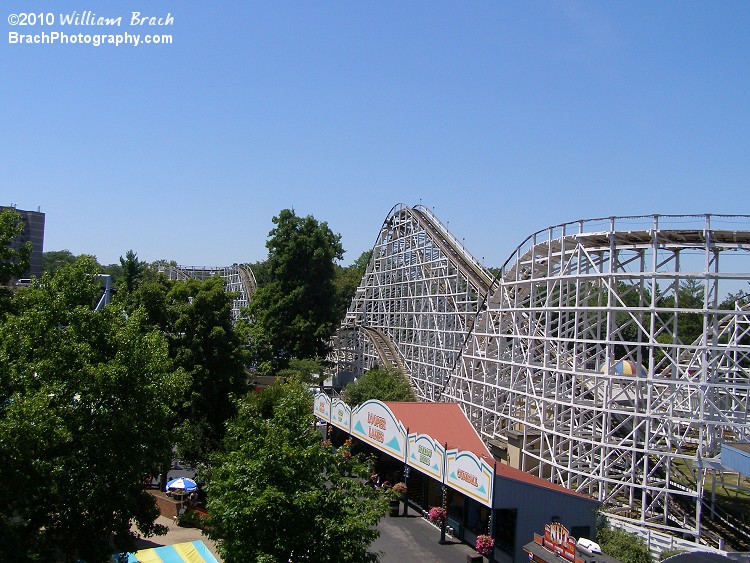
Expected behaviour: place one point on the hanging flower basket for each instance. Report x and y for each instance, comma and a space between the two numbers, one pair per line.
484, 544
436, 515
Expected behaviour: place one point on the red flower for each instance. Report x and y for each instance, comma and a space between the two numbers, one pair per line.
436, 515
484, 544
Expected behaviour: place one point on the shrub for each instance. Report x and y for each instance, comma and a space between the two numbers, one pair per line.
624, 546
667, 553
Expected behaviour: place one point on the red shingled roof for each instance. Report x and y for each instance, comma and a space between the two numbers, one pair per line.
446, 422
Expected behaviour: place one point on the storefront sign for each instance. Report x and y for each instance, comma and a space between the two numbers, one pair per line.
322, 406
374, 423
427, 455
471, 475
341, 415
558, 540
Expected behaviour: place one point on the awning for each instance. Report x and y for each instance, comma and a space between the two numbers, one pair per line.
736, 456
187, 552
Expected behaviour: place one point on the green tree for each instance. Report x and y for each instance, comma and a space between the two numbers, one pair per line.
132, 270
261, 272
307, 371
277, 492
622, 545
690, 295
195, 316
383, 384
741, 297
84, 416
13, 261
690, 325
347, 280
54, 260
295, 313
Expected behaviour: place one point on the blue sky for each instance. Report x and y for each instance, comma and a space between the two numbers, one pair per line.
504, 117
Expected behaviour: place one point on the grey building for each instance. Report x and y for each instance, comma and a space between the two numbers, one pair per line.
33, 232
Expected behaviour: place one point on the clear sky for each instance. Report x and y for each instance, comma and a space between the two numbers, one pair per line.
504, 117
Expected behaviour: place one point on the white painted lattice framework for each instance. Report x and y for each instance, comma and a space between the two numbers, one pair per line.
416, 303
539, 358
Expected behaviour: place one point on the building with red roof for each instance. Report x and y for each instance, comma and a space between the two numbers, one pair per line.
434, 448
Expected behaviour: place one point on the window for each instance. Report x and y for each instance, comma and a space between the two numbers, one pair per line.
505, 530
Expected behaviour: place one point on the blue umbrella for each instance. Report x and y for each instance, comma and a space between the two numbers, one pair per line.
183, 484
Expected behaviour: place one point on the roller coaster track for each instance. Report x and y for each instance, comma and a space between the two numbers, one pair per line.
475, 273
385, 348
532, 354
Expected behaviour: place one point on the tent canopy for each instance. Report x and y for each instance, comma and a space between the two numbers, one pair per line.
187, 552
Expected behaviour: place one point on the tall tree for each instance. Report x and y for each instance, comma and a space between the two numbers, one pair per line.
278, 493
132, 270
195, 316
347, 280
295, 312
84, 416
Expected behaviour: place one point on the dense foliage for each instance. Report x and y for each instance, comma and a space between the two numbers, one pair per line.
626, 547
667, 553
307, 371
347, 280
84, 416
277, 492
295, 313
54, 260
13, 261
383, 384
195, 318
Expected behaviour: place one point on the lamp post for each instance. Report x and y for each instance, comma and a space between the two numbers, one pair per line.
491, 527
445, 490
406, 492
445, 519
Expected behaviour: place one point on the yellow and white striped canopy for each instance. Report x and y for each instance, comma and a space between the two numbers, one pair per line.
187, 552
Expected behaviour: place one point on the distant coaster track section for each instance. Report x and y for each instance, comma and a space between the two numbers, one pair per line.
599, 358
238, 279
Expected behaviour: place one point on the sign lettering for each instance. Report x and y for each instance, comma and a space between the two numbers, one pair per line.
468, 477
375, 420
558, 540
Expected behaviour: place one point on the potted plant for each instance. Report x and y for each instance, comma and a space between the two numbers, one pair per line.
397, 493
393, 494
484, 544
399, 489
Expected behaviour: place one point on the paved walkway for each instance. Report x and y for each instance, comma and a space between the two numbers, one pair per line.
403, 538
412, 538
